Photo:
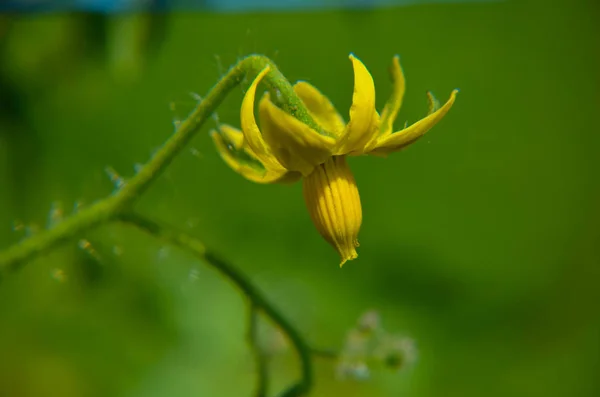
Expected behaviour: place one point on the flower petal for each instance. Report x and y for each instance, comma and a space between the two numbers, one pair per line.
234, 136
320, 108
252, 134
392, 106
297, 146
229, 147
364, 120
405, 137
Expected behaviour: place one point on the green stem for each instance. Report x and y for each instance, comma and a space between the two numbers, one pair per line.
195, 246
106, 209
98, 213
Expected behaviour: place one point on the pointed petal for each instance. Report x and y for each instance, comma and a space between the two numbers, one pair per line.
252, 172
405, 137
235, 137
297, 146
320, 108
392, 106
252, 134
232, 135
364, 120
434, 104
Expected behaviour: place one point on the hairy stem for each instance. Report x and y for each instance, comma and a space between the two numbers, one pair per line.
193, 245
106, 209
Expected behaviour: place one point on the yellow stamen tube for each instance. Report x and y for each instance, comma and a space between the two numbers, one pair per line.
332, 199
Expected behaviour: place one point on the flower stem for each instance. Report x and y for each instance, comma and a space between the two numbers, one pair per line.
108, 208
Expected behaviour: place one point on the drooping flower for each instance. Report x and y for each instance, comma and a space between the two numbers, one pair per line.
284, 149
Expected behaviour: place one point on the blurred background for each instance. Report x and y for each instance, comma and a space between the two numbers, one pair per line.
480, 243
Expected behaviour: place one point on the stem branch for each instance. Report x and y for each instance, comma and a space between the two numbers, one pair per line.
193, 245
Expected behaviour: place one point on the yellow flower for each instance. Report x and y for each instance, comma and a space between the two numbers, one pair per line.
284, 149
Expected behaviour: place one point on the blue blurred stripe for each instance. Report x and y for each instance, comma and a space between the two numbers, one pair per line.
111, 6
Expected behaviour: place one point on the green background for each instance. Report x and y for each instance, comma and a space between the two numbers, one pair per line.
481, 241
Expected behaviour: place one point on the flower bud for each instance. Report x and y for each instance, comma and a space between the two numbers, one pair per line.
332, 199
